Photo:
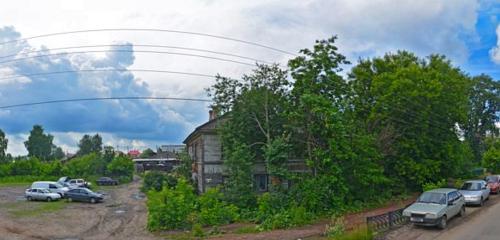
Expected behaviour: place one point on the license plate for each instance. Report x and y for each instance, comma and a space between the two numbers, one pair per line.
413, 219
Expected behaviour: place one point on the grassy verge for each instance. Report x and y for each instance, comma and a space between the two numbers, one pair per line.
31, 209
22, 180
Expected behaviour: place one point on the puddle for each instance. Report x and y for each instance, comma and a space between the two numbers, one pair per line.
120, 211
138, 196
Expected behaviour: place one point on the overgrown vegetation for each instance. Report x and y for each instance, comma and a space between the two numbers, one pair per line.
395, 124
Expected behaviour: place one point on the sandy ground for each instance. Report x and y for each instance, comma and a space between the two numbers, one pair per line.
122, 215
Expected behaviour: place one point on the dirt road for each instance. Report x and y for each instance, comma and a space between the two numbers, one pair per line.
478, 223
123, 215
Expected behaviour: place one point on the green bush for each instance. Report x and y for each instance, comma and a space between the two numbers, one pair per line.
214, 211
171, 208
122, 168
430, 185
290, 217
153, 180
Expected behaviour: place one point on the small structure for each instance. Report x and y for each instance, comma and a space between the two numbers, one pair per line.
161, 161
205, 149
134, 153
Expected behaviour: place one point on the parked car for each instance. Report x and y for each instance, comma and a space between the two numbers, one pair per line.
41, 194
78, 183
436, 207
83, 195
53, 187
493, 183
475, 192
106, 181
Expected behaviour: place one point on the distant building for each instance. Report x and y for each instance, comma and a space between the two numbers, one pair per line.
133, 153
171, 148
161, 161
205, 149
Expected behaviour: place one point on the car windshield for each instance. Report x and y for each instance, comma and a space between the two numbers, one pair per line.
491, 179
471, 186
432, 197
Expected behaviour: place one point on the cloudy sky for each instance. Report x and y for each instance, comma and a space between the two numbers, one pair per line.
467, 31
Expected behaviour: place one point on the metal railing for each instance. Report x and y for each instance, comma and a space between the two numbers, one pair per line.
386, 221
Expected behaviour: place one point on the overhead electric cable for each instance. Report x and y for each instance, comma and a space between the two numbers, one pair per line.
151, 30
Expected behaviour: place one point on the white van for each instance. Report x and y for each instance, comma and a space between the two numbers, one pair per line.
51, 186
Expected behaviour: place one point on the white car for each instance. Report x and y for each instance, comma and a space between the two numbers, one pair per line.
53, 187
74, 183
41, 194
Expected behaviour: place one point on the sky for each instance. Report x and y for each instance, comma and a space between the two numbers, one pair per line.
466, 31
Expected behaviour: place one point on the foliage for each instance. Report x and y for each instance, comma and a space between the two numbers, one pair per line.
121, 167
171, 208
185, 167
213, 210
239, 185
153, 180
3, 146
147, 153
39, 144
433, 185
335, 228
89, 144
357, 234
491, 158
484, 105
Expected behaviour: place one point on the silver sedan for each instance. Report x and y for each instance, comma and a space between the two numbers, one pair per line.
41, 194
475, 192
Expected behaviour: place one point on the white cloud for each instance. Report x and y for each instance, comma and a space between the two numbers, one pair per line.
364, 28
495, 51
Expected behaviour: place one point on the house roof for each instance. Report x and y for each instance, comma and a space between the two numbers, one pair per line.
204, 127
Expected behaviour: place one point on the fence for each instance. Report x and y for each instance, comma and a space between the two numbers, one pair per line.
386, 221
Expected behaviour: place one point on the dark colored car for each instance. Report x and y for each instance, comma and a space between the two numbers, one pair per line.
83, 195
493, 183
106, 181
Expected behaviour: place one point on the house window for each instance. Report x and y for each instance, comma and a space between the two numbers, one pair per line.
261, 181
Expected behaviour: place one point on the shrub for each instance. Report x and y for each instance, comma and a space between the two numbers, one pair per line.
171, 208
430, 185
291, 217
336, 227
121, 167
214, 211
153, 180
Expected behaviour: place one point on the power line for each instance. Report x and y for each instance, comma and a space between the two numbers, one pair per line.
107, 70
128, 51
102, 99
151, 30
141, 45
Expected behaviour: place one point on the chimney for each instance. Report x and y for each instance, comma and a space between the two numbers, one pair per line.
211, 115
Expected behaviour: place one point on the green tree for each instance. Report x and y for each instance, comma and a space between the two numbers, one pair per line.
3, 146
491, 157
57, 153
89, 144
39, 144
412, 107
147, 153
122, 167
483, 113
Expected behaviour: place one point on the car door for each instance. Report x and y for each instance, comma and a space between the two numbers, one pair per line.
53, 188
453, 206
485, 190
39, 194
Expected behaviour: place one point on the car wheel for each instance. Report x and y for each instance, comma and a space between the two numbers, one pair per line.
481, 203
462, 212
442, 222
49, 199
29, 198
92, 200
60, 194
